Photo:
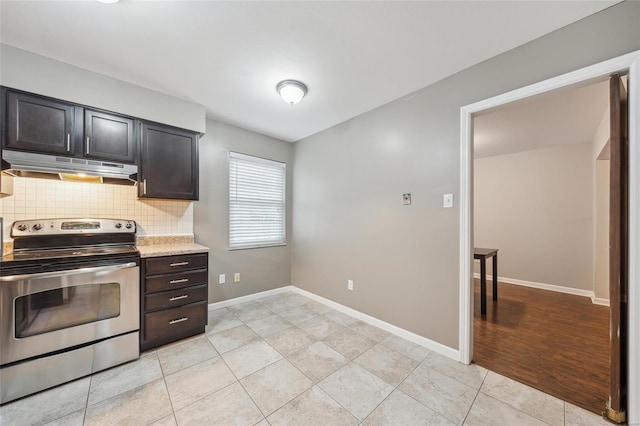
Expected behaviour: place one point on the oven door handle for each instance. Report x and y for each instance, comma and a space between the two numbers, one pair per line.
69, 272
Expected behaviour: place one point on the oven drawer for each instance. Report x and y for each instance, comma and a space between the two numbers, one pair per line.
175, 321
169, 264
173, 298
172, 281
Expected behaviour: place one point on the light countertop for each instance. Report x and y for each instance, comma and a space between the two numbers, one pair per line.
157, 250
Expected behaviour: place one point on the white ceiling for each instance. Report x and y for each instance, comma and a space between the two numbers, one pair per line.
229, 56
557, 118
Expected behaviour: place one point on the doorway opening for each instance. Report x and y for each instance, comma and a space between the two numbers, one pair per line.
534, 192
627, 64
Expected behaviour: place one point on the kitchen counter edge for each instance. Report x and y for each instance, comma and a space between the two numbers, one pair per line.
158, 250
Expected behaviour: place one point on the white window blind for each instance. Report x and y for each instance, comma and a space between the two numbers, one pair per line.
256, 201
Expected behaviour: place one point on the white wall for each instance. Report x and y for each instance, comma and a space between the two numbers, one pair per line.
349, 221
536, 207
20, 69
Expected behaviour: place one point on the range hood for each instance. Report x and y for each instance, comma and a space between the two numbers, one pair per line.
29, 164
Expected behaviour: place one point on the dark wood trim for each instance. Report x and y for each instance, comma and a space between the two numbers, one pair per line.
618, 249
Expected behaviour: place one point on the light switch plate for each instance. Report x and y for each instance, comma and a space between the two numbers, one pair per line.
447, 201
221, 279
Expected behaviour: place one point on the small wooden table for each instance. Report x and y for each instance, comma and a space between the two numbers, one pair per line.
482, 254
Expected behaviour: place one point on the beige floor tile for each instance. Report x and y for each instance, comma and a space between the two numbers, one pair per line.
472, 375
275, 385
576, 416
368, 330
74, 419
228, 406
356, 389
444, 395
251, 358
318, 360
297, 299
142, 405
114, 381
317, 307
487, 411
320, 327
48, 405
220, 320
312, 408
170, 420
391, 366
406, 347
278, 303
267, 326
401, 409
298, 315
529, 400
176, 357
349, 343
289, 341
233, 338
249, 311
340, 318
190, 384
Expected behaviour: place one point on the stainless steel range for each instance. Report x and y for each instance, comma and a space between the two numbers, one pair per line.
69, 302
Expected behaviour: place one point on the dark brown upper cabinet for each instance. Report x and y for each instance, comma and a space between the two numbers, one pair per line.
39, 124
168, 163
50, 126
109, 136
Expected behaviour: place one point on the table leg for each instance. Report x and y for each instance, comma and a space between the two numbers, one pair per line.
495, 276
483, 286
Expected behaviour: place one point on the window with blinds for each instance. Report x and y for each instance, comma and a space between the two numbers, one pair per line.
256, 201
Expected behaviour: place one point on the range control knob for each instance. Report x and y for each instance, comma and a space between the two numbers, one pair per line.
118, 225
129, 225
22, 227
37, 227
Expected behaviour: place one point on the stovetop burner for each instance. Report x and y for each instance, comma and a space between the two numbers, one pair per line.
47, 242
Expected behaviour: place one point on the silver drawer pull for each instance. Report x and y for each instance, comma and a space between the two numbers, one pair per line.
183, 280
178, 320
184, 296
178, 264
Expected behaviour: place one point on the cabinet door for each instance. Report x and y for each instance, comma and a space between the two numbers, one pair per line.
168, 163
38, 124
109, 136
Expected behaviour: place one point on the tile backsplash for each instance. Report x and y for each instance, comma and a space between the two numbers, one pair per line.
44, 198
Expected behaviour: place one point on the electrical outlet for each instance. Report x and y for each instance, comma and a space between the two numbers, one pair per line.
349, 284
236, 277
447, 201
221, 279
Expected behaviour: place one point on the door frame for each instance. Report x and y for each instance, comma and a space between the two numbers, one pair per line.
629, 63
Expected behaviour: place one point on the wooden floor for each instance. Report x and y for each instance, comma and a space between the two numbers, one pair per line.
555, 342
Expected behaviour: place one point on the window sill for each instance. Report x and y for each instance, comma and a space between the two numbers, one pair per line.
257, 246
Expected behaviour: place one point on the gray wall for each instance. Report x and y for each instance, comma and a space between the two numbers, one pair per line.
261, 268
349, 221
537, 208
27, 71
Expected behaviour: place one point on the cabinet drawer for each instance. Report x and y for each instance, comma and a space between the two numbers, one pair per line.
168, 264
175, 321
173, 281
173, 298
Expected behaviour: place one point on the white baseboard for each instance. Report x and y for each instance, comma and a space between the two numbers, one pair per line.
401, 332
248, 298
542, 286
412, 337
600, 301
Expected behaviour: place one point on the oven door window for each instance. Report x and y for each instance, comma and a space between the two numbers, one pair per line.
66, 307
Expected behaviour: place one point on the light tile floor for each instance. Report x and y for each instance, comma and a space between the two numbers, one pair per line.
287, 360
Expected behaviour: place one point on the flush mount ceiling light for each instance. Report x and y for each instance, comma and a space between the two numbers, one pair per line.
292, 91
109, 1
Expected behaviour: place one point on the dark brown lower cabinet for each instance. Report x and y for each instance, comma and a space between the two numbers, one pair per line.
174, 298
